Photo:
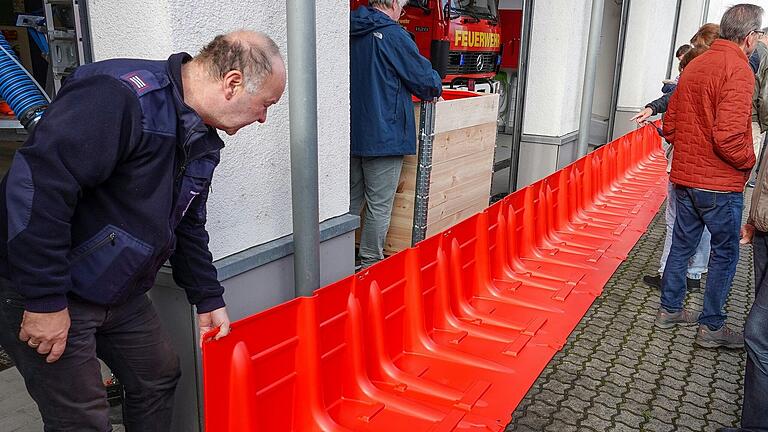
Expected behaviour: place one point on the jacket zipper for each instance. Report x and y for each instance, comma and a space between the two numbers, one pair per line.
108, 239
185, 163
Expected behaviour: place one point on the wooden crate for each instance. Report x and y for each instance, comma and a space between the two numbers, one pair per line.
462, 168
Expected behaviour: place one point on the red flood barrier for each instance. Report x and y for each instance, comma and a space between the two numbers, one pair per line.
450, 334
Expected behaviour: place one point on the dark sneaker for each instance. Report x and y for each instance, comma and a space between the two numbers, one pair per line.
652, 281
724, 337
692, 284
667, 320
655, 282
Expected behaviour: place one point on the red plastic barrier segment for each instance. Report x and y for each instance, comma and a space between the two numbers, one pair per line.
448, 335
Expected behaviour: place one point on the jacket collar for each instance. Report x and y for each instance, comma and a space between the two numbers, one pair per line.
762, 50
189, 121
726, 46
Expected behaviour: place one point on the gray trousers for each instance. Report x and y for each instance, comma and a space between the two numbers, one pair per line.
373, 180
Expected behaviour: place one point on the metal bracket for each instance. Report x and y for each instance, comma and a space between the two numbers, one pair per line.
423, 170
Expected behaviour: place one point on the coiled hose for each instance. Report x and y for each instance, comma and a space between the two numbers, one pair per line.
19, 89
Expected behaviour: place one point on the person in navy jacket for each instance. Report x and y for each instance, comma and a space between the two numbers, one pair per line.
385, 70
111, 184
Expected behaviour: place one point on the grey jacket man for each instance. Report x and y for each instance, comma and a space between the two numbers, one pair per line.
760, 95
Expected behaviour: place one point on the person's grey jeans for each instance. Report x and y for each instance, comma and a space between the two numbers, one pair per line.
373, 181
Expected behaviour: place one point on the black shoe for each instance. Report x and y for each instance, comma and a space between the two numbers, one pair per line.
653, 281
750, 184
692, 284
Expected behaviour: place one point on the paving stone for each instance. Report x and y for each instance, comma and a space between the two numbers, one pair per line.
629, 418
696, 423
596, 423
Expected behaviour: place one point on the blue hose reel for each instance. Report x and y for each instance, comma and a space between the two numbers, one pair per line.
19, 89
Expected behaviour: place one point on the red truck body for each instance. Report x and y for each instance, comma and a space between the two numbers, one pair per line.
462, 38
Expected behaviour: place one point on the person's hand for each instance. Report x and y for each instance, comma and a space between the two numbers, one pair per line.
214, 319
642, 116
747, 232
46, 333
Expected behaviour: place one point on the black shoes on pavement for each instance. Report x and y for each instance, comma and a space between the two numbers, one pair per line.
655, 282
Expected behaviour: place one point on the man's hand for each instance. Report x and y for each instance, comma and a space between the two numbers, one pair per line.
46, 333
642, 116
213, 319
747, 232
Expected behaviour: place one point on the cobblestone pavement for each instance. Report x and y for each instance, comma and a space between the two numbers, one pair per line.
620, 373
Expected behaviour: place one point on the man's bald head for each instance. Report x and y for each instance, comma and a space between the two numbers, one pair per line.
252, 53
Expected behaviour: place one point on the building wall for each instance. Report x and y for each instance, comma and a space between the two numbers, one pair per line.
250, 202
556, 68
718, 7
130, 28
649, 33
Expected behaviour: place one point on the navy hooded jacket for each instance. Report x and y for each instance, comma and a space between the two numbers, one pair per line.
385, 70
111, 184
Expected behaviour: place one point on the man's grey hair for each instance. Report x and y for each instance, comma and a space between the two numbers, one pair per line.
739, 21
251, 53
386, 3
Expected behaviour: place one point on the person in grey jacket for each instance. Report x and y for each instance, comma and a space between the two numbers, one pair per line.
754, 414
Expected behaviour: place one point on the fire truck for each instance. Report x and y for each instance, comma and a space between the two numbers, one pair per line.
462, 38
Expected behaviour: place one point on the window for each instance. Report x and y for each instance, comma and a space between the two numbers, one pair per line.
478, 8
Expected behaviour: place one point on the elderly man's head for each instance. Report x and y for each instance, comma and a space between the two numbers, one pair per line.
741, 24
393, 8
234, 80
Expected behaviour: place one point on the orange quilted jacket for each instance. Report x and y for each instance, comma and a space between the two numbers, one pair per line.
708, 121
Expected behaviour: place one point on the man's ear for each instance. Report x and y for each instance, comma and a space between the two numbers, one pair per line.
233, 83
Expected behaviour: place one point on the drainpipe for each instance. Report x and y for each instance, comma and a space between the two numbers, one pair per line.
590, 75
302, 105
619, 65
522, 80
674, 39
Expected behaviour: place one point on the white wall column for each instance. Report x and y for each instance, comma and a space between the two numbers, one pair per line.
553, 92
646, 57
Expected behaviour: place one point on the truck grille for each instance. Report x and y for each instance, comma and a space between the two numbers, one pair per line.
469, 66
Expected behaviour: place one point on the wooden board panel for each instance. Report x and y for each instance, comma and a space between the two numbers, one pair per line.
448, 175
399, 236
462, 169
463, 200
461, 113
461, 142
478, 205
458, 198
